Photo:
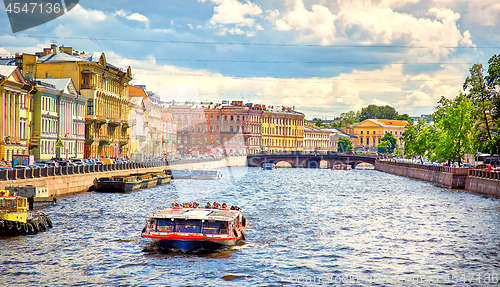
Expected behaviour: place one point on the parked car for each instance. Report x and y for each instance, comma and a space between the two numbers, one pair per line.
350, 153
22, 167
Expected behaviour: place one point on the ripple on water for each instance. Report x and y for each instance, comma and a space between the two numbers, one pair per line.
303, 224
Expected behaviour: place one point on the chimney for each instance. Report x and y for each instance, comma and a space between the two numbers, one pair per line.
47, 51
54, 48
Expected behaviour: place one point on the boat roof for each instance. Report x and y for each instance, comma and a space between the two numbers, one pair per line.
196, 213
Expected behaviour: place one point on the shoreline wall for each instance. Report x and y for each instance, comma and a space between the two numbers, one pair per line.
443, 176
69, 184
484, 183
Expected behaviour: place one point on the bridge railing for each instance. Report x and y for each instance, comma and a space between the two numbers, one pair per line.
453, 170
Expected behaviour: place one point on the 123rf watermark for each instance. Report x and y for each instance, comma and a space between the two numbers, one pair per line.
25, 14
458, 279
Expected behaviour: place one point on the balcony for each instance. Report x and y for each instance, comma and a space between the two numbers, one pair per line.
114, 122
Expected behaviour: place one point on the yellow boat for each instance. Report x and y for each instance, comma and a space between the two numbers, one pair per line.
16, 218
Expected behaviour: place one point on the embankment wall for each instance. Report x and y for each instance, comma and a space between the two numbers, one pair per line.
68, 184
443, 176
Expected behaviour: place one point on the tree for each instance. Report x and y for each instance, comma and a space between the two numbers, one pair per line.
403, 117
413, 139
391, 140
344, 145
376, 112
348, 118
454, 123
383, 147
481, 95
319, 123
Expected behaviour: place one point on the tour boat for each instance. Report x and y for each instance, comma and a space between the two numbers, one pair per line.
16, 218
268, 166
117, 183
195, 228
342, 167
181, 173
148, 179
206, 174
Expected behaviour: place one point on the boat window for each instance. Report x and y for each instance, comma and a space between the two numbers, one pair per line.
188, 226
211, 227
165, 225
118, 179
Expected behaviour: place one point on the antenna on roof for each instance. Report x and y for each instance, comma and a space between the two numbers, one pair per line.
53, 42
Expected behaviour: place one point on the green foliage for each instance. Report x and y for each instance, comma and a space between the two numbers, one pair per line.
344, 145
348, 118
480, 90
377, 112
414, 141
387, 143
454, 123
319, 123
383, 147
403, 117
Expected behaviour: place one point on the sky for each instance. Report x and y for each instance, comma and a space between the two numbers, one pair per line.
321, 57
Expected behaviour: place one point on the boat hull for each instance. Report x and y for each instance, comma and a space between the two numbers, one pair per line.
117, 186
190, 245
162, 181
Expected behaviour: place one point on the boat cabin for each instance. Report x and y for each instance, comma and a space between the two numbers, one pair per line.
200, 221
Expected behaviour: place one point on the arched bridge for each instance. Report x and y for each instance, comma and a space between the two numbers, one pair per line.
309, 160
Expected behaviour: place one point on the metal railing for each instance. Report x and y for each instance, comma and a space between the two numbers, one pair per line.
453, 170
495, 175
16, 174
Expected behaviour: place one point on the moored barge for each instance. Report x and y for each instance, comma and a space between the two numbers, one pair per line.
190, 229
117, 184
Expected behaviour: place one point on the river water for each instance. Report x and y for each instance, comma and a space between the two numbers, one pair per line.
306, 227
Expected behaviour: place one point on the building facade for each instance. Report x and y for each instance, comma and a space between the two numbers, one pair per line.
58, 120
15, 112
316, 140
370, 132
106, 88
282, 129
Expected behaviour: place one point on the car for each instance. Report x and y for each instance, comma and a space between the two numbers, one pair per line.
52, 163
350, 153
22, 167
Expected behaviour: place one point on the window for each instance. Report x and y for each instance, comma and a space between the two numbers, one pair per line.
90, 107
361, 132
361, 141
232, 118
237, 118
211, 227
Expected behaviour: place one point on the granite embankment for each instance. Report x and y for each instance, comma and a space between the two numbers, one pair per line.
472, 180
63, 181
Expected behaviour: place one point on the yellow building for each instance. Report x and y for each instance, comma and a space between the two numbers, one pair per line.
282, 130
369, 132
106, 88
15, 115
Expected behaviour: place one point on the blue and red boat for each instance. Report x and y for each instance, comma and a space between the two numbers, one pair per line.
190, 229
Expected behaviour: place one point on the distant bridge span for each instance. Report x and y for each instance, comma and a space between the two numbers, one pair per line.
309, 160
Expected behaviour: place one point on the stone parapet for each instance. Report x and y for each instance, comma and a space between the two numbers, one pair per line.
61, 183
443, 176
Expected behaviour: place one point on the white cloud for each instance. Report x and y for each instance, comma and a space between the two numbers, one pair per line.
234, 12
85, 15
363, 22
231, 16
133, 16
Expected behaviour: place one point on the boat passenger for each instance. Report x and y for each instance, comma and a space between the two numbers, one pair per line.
208, 205
224, 206
216, 205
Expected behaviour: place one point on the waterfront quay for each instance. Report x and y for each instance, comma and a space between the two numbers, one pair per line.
478, 181
74, 179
